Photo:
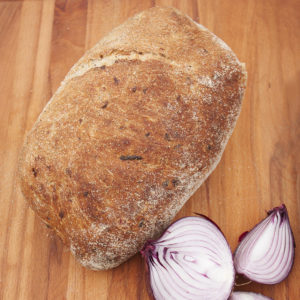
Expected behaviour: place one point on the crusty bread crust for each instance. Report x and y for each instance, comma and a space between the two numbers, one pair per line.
137, 125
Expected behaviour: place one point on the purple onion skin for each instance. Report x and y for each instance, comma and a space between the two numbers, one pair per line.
247, 296
248, 239
243, 235
158, 255
210, 220
284, 213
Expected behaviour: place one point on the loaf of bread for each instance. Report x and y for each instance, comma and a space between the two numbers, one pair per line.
134, 129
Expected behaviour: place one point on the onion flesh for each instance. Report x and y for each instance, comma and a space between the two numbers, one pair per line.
266, 253
191, 260
247, 296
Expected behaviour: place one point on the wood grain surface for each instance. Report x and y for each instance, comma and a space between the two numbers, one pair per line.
41, 40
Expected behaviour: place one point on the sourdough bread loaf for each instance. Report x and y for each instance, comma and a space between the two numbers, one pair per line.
136, 126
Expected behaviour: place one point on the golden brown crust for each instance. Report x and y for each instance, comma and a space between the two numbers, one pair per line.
137, 125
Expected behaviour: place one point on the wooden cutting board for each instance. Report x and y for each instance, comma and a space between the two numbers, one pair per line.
41, 40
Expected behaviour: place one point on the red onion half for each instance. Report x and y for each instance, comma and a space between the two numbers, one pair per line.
247, 296
191, 260
266, 253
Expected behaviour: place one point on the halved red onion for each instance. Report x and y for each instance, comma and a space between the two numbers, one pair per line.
191, 260
266, 253
247, 296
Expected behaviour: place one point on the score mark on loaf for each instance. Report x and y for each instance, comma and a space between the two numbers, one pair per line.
136, 126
